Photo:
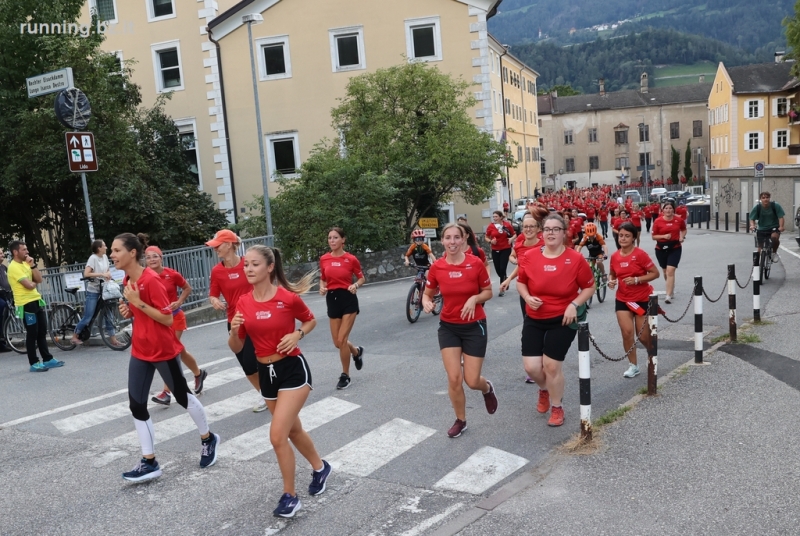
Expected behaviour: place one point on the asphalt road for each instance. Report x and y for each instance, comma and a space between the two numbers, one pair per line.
66, 435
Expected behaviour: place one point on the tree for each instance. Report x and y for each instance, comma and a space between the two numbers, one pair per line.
410, 124
675, 164
793, 37
562, 90
687, 161
143, 183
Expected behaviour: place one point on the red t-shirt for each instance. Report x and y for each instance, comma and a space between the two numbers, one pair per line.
151, 340
458, 283
682, 211
590, 213
338, 272
522, 249
481, 254
502, 236
634, 265
231, 283
267, 322
672, 227
172, 281
603, 214
556, 282
636, 219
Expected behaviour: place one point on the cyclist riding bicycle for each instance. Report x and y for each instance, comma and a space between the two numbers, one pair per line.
423, 256
596, 246
769, 216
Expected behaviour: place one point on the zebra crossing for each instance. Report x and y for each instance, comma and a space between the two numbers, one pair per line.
359, 457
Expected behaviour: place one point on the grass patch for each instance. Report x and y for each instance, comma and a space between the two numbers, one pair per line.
642, 390
763, 322
678, 372
742, 337
613, 415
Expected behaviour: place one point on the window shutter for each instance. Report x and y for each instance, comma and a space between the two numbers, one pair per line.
774, 107
788, 137
760, 109
746, 141
774, 139
760, 140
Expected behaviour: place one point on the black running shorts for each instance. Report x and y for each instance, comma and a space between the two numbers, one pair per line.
341, 302
286, 374
546, 337
471, 338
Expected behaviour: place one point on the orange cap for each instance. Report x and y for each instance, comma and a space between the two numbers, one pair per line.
154, 249
225, 235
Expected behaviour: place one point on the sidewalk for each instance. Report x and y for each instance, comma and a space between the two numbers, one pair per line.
714, 453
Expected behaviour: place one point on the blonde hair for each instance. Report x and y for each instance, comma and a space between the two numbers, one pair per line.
273, 256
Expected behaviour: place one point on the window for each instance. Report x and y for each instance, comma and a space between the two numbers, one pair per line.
527, 154
160, 9
644, 132
642, 157
284, 154
570, 165
594, 162
519, 153
347, 49
567, 137
621, 137
167, 66
697, 129
621, 163
541, 144
674, 131
275, 62
106, 10
494, 100
781, 139
752, 141
423, 39
753, 109
781, 106
537, 154
592, 135
187, 131
505, 74
508, 107
543, 168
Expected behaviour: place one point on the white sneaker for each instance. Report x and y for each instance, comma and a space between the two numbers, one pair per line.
774, 257
632, 371
262, 406
667, 299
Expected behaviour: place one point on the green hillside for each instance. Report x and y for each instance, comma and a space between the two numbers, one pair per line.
679, 75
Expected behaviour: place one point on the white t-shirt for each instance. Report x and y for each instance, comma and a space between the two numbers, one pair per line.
99, 265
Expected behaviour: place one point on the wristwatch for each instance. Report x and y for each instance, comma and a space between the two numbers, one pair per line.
302, 333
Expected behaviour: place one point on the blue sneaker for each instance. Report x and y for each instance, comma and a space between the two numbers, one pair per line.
38, 367
144, 470
208, 456
319, 478
287, 506
53, 363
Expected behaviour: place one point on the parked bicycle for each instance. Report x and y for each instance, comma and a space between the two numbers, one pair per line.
13, 328
764, 244
115, 331
600, 281
414, 299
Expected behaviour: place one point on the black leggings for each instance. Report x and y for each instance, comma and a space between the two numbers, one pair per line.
140, 377
500, 260
36, 332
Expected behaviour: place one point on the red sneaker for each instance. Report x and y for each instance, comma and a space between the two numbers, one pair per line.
490, 399
544, 401
556, 416
458, 427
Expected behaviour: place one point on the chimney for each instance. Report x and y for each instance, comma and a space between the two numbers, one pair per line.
602, 83
644, 83
702, 78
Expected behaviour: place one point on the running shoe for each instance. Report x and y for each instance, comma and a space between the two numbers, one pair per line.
774, 257
287, 506
163, 398
358, 358
544, 401
490, 399
528, 379
319, 479
198, 381
261, 406
668, 299
502, 293
556, 416
344, 382
53, 363
144, 470
208, 456
632, 372
458, 427
38, 367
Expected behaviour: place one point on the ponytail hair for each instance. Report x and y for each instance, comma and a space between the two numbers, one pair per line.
132, 242
273, 256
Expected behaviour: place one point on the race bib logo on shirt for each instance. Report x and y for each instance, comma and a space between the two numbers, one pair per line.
549, 268
623, 264
336, 264
567, 261
263, 315
233, 276
280, 305
455, 275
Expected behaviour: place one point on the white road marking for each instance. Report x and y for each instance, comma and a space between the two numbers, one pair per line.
481, 471
431, 521
256, 442
105, 414
375, 449
790, 252
207, 324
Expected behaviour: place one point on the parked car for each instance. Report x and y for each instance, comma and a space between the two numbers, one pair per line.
635, 196
657, 193
698, 200
516, 221
679, 197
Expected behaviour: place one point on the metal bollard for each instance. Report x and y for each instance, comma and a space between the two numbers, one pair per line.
716, 218
698, 320
756, 287
585, 375
747, 223
708, 221
737, 222
732, 301
726, 222
652, 352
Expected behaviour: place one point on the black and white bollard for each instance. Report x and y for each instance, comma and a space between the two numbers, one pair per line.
698, 320
732, 301
756, 287
652, 352
585, 375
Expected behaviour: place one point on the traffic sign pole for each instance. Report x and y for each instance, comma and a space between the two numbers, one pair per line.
88, 206
82, 158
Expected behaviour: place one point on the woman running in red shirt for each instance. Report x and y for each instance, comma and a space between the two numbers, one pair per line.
269, 316
669, 232
530, 238
337, 270
633, 269
173, 281
465, 286
228, 280
153, 347
554, 282
500, 234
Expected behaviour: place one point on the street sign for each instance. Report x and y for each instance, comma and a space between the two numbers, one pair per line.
759, 167
73, 109
430, 233
51, 82
429, 223
81, 151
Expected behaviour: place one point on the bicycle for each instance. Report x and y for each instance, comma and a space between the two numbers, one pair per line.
414, 299
765, 245
64, 318
600, 280
13, 327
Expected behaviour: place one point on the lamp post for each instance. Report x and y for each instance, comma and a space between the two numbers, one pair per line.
646, 159
256, 18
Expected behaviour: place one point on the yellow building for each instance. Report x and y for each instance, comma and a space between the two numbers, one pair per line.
749, 112
515, 119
